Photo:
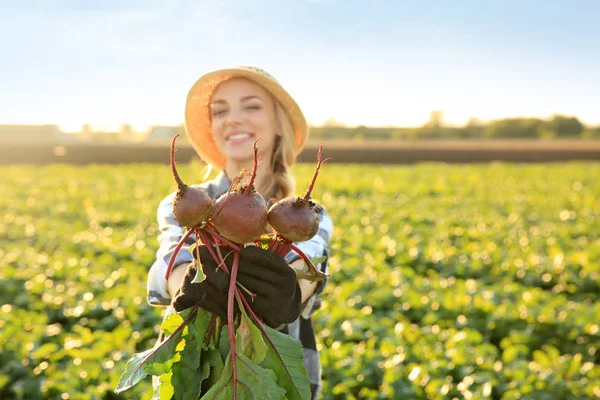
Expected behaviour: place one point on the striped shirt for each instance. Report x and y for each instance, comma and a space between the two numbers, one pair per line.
170, 234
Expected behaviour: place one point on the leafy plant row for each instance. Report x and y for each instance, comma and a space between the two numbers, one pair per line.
470, 281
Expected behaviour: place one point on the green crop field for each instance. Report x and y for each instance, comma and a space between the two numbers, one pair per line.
448, 281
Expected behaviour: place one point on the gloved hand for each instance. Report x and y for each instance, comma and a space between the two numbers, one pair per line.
203, 294
277, 293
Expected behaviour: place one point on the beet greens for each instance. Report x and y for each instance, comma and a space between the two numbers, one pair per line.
248, 359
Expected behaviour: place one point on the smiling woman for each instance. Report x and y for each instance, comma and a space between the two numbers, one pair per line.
227, 112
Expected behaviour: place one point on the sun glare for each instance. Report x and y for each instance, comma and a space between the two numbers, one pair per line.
70, 127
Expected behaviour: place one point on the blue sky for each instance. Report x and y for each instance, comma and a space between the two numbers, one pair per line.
370, 62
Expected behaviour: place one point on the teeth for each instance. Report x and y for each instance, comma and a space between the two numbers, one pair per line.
239, 136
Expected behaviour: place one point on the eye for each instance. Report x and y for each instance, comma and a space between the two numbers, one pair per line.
217, 112
254, 107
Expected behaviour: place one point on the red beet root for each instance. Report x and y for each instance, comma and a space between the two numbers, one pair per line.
240, 215
295, 219
192, 206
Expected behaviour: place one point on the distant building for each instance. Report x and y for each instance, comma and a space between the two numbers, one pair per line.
39, 135
52, 135
86, 133
165, 133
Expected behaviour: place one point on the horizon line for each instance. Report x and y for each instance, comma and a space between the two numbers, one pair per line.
331, 122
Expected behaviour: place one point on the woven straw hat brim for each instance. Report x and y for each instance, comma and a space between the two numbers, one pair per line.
197, 110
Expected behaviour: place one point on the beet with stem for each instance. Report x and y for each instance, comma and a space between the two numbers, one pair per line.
296, 219
240, 215
192, 206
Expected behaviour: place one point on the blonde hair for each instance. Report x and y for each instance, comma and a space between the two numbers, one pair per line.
284, 156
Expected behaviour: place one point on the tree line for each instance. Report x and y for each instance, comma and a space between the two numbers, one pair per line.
554, 127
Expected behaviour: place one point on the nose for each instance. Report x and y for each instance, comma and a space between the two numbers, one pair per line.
234, 116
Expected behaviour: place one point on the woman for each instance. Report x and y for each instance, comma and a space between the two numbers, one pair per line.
226, 112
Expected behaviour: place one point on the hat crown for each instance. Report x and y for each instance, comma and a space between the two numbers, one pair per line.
260, 72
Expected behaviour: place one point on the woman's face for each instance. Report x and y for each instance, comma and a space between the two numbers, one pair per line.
242, 112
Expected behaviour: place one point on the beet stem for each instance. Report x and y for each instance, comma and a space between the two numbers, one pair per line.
221, 264
180, 185
211, 329
250, 311
245, 289
279, 245
176, 251
216, 256
197, 234
312, 183
212, 230
283, 247
307, 260
207, 243
230, 315
251, 183
273, 245
218, 251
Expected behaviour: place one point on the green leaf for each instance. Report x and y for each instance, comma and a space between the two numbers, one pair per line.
216, 371
542, 359
189, 368
176, 382
210, 360
208, 347
307, 273
253, 382
165, 389
318, 259
159, 368
224, 346
573, 366
192, 247
135, 370
202, 323
249, 340
285, 356
173, 321
193, 363
200, 277
265, 240
216, 337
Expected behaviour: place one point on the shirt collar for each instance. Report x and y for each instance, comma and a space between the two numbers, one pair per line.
222, 184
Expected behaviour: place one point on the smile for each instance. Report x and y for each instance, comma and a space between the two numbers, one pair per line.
238, 136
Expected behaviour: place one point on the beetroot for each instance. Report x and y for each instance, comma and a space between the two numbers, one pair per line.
295, 218
192, 205
240, 215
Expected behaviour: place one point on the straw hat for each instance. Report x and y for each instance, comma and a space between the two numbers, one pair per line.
197, 110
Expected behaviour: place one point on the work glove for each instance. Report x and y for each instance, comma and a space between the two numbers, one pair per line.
276, 295
203, 294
